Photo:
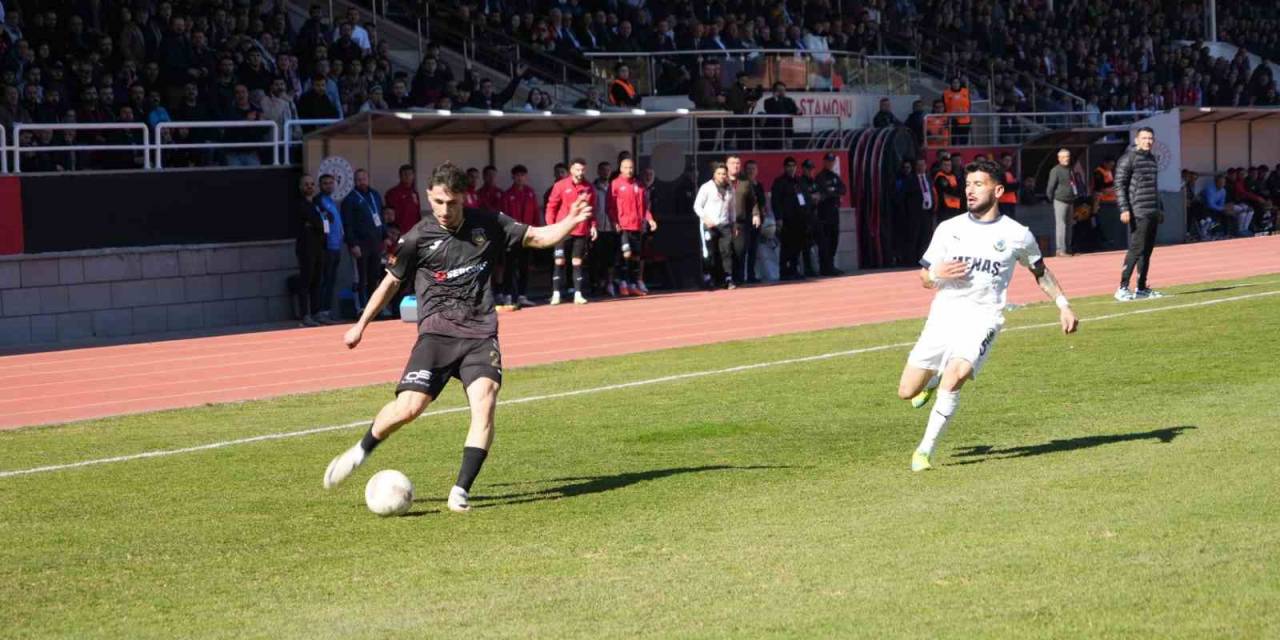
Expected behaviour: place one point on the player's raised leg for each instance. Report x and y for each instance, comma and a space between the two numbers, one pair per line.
917, 385
482, 395
407, 406
957, 371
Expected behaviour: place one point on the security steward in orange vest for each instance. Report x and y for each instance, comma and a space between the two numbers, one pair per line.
621, 92
937, 130
950, 191
956, 99
1009, 199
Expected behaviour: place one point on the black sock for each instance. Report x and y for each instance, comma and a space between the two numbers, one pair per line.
472, 459
577, 279
557, 274
369, 442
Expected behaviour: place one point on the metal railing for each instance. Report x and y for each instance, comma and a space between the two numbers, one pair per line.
85, 126
944, 130
274, 142
652, 71
715, 133
289, 142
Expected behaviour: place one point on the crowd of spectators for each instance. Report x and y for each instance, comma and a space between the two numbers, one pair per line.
1239, 202
1082, 55
153, 61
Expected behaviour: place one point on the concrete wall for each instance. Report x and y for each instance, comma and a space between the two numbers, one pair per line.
58, 297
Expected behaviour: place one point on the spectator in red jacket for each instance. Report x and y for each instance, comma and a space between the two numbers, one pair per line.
559, 202
403, 198
490, 194
629, 208
521, 203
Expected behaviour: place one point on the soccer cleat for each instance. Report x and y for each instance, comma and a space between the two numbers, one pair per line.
1147, 294
342, 466
921, 399
459, 500
624, 290
309, 321
555, 297
1123, 294
524, 302
643, 290
920, 461
578, 298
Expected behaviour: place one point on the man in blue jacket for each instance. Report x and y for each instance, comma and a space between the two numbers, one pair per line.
333, 241
365, 231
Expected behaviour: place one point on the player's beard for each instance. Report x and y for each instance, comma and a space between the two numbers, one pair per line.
983, 206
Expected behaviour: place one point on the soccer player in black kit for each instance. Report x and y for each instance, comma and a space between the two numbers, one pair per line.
450, 256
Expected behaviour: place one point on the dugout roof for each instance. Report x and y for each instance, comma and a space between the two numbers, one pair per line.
419, 123
1227, 114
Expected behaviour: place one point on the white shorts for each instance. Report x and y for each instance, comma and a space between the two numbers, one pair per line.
948, 337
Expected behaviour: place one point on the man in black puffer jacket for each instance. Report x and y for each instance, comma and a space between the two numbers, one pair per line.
1139, 204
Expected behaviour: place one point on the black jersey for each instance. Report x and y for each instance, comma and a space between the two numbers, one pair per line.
452, 271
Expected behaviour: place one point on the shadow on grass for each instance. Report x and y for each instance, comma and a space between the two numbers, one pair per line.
588, 485
987, 452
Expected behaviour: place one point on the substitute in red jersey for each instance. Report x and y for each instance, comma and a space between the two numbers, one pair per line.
559, 204
403, 198
629, 208
472, 197
490, 194
521, 203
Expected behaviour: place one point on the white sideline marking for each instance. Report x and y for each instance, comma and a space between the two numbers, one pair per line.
592, 390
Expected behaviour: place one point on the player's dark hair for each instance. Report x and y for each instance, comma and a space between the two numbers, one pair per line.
406, 167
716, 166
449, 176
750, 163
602, 164
788, 160
324, 176
489, 167
580, 161
988, 167
519, 169
560, 165
1148, 130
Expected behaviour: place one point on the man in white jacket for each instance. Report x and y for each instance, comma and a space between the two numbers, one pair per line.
714, 206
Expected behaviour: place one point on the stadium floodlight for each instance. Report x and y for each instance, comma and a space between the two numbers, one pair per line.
404, 115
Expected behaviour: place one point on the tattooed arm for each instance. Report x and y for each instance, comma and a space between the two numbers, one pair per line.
1049, 285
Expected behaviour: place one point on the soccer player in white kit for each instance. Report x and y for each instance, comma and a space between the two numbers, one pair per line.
970, 262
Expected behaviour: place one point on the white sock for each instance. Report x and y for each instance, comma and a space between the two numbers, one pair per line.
943, 408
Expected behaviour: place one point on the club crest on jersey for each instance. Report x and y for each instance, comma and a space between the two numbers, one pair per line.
1000, 245
477, 237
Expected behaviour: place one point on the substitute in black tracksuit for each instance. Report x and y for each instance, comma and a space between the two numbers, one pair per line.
830, 190
1139, 202
791, 210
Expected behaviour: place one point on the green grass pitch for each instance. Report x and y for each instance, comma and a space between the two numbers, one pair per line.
1119, 483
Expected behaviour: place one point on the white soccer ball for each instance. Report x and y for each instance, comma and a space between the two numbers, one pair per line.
389, 493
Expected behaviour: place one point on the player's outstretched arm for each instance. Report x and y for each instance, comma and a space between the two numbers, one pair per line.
1049, 285
381, 296
551, 235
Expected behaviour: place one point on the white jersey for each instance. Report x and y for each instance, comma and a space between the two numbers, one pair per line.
991, 250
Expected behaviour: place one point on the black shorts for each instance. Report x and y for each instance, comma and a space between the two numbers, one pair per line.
633, 242
436, 358
575, 246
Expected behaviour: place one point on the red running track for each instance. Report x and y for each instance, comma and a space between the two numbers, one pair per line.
132, 378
